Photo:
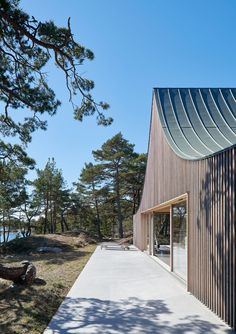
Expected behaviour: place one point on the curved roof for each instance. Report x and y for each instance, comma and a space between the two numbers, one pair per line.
197, 122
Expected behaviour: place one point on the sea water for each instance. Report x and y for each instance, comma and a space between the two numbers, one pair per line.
12, 235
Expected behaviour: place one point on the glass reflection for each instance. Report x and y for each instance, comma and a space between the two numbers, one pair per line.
147, 230
161, 236
180, 239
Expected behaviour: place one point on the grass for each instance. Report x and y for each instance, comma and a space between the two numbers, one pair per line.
29, 309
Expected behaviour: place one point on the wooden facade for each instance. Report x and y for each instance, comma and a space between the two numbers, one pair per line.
210, 183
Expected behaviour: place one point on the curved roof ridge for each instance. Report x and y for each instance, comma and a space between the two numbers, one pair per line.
194, 130
212, 119
226, 104
177, 122
230, 90
214, 113
220, 113
205, 128
170, 139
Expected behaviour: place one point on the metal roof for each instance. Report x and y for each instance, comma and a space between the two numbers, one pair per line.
197, 122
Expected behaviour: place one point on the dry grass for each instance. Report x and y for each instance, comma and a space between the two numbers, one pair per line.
29, 309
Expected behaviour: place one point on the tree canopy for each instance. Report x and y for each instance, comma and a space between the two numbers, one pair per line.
102, 203
12, 194
114, 157
26, 47
50, 191
113, 185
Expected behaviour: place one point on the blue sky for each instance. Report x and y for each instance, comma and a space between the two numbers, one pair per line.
138, 45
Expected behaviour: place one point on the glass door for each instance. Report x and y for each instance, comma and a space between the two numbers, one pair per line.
179, 239
161, 236
147, 233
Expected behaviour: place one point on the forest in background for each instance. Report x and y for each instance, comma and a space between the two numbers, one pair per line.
101, 202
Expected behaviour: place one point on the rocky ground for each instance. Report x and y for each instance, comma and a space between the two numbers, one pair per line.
29, 309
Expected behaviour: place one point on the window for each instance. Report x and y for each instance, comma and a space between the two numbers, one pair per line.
161, 236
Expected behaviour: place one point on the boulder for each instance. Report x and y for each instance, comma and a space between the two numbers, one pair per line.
49, 250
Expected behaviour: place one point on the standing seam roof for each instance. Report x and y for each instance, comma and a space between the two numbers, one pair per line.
197, 122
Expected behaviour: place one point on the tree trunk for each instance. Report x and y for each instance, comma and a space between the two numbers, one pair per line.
4, 228
119, 214
65, 222
4, 233
62, 225
134, 203
54, 217
46, 207
28, 232
45, 221
25, 273
8, 234
75, 217
98, 221
51, 217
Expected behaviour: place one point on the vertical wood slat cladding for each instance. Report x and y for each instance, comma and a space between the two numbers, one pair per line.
211, 185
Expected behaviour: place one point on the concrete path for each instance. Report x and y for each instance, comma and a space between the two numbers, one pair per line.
127, 292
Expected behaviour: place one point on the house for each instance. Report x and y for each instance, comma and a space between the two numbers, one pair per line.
186, 219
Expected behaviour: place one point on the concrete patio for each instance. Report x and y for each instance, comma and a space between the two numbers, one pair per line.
127, 292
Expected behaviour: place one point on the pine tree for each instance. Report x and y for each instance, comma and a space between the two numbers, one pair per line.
114, 157
50, 191
26, 47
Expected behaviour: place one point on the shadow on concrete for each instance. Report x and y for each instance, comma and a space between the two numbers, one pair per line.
23, 309
133, 315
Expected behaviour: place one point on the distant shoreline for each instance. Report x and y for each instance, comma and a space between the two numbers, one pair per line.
12, 234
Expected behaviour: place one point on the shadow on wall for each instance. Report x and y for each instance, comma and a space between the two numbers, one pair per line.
217, 201
131, 316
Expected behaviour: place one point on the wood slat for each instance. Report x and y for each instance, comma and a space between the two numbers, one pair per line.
211, 188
